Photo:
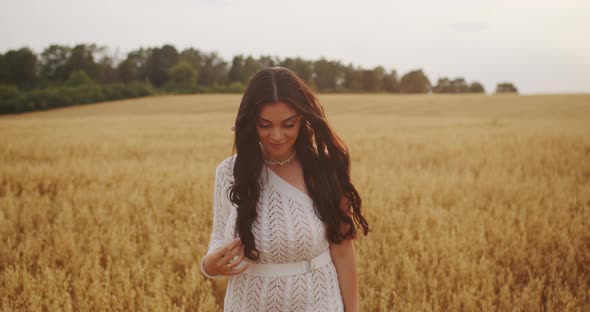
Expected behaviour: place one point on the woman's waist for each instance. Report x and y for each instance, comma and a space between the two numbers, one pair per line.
283, 268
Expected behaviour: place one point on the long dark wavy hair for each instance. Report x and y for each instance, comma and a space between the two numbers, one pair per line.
323, 156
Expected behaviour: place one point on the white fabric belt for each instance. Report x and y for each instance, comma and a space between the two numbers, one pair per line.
284, 269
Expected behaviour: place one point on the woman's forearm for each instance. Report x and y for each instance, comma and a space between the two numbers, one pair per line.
343, 256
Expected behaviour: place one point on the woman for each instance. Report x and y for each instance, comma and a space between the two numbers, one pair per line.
285, 211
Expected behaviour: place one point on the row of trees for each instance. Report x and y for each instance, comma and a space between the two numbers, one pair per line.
64, 73
166, 67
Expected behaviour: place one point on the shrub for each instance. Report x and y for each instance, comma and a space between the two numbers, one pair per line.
14, 101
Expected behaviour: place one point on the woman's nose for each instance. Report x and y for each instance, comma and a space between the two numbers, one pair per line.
276, 135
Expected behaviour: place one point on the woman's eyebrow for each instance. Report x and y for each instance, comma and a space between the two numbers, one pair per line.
283, 120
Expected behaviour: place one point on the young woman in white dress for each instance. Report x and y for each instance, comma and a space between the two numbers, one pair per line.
285, 210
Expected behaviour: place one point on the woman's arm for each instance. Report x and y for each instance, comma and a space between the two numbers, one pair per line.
343, 256
220, 216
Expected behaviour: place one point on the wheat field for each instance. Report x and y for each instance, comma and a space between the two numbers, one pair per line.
475, 202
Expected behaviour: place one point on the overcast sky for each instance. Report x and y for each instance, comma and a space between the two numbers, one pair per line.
541, 46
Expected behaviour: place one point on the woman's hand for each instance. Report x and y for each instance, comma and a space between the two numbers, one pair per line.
222, 262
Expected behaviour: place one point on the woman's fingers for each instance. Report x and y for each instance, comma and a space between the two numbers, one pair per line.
238, 271
225, 255
227, 247
230, 255
231, 267
236, 263
241, 257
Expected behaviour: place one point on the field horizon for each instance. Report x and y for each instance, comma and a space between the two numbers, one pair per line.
397, 103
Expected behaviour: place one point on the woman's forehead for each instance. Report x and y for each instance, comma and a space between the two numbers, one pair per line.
276, 112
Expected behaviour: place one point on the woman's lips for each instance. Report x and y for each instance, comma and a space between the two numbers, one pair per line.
276, 145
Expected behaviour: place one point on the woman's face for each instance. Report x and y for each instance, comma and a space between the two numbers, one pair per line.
278, 126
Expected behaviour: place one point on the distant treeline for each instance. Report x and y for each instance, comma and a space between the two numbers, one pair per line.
63, 75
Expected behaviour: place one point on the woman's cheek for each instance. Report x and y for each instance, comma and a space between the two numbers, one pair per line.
261, 132
293, 134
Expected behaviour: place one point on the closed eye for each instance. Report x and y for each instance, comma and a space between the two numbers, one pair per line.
286, 126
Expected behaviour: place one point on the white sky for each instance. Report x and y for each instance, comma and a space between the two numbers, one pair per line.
541, 46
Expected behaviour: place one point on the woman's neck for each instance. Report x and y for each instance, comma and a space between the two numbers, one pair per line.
281, 157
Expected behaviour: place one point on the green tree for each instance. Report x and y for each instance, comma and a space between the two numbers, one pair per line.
126, 71
353, 78
133, 68
415, 81
242, 69
8, 99
214, 70
21, 67
183, 75
251, 66
81, 57
53, 62
444, 85
328, 74
268, 61
237, 72
390, 82
372, 79
460, 85
158, 63
476, 87
106, 72
301, 67
193, 57
3, 70
506, 87
79, 78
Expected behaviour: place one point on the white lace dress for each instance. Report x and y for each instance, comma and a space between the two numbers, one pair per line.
286, 230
